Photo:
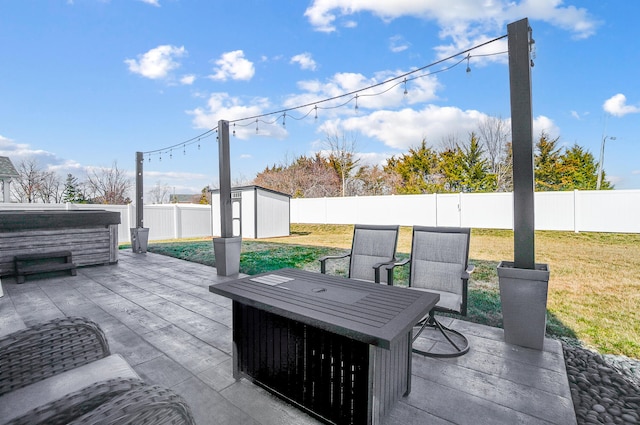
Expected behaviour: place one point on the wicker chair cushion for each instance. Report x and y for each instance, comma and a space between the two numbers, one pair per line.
19, 402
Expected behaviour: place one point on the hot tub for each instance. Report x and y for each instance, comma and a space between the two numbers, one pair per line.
90, 235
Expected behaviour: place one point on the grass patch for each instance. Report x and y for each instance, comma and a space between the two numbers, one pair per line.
594, 291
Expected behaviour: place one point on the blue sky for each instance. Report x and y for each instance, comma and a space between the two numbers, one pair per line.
84, 83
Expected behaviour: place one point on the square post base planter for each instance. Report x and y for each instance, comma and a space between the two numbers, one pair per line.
227, 253
523, 295
139, 239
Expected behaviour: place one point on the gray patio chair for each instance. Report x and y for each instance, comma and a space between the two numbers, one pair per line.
439, 263
373, 246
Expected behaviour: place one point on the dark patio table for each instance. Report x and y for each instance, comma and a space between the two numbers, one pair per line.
338, 348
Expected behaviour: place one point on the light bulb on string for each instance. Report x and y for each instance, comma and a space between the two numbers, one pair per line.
468, 67
256, 125
284, 116
405, 86
171, 154
184, 149
234, 129
356, 108
316, 108
198, 143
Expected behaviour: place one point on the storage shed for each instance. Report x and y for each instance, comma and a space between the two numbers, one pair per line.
257, 212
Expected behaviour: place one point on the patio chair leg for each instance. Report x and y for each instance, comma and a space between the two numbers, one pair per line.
432, 322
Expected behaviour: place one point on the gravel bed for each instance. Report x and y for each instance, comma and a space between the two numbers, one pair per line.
605, 389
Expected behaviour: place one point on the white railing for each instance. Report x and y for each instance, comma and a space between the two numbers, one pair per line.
613, 211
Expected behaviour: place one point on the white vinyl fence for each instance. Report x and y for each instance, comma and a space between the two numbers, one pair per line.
615, 211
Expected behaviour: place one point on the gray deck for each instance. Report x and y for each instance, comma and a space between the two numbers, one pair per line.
159, 314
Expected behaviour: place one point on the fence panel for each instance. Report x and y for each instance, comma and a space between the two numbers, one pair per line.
582, 211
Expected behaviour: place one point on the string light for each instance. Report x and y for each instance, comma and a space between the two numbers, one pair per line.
402, 79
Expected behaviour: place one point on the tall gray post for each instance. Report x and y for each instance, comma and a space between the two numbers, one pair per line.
139, 234
226, 248
226, 225
522, 139
139, 191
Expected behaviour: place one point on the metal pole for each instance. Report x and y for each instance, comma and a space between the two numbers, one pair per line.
522, 133
601, 162
139, 191
226, 224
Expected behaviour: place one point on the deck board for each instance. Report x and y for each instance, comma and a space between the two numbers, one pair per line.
159, 314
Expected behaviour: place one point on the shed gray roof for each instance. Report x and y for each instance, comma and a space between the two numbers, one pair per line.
7, 170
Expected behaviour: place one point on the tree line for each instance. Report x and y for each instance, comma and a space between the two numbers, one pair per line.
481, 163
34, 184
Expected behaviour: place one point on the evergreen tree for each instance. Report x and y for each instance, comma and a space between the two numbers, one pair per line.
419, 170
72, 192
547, 164
579, 170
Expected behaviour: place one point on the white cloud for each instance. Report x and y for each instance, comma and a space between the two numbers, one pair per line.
233, 65
221, 106
387, 95
48, 161
187, 80
542, 123
468, 18
157, 62
152, 2
305, 61
398, 44
408, 127
617, 106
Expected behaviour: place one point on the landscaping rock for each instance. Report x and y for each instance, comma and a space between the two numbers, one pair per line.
604, 389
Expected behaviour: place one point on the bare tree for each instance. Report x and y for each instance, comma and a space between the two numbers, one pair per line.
342, 157
494, 134
109, 185
374, 181
51, 188
305, 177
160, 193
28, 182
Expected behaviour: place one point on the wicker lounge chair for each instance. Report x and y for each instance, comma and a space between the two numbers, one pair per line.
62, 372
373, 246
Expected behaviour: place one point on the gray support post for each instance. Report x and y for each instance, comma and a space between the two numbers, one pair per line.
139, 191
522, 140
226, 224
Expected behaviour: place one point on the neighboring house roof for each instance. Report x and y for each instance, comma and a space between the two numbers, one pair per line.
7, 170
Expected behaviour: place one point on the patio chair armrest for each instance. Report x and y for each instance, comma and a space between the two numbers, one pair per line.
389, 267
377, 266
144, 404
467, 273
323, 260
38, 352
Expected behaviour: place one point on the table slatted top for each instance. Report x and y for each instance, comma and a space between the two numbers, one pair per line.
364, 311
